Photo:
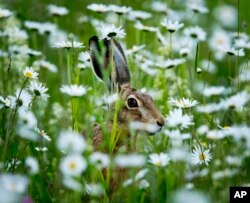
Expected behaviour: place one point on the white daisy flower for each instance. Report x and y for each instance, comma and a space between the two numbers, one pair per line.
100, 8
134, 49
183, 103
119, 9
197, 8
43, 134
226, 15
38, 90
45, 64
161, 159
196, 33
143, 184
138, 25
214, 91
99, 160
28, 72
201, 156
74, 90
84, 57
110, 31
177, 119
170, 63
94, 189
134, 15
13, 183
68, 44
4, 13
130, 160
159, 6
57, 10
32, 164
5, 102
71, 142
172, 26
72, 184
27, 117
234, 52
73, 165
20, 100
41, 149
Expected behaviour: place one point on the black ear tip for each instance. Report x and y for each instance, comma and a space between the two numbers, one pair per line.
94, 39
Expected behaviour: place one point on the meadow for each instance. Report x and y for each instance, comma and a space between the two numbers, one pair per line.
191, 57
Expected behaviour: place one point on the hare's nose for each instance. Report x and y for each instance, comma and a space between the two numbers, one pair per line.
160, 122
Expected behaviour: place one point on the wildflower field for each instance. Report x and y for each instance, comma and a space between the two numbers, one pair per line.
154, 108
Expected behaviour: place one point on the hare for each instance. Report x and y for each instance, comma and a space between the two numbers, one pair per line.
138, 108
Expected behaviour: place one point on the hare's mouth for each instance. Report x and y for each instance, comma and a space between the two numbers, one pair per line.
149, 128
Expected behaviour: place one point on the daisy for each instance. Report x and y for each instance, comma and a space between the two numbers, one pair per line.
41, 149
68, 44
130, 160
119, 9
74, 90
183, 103
176, 118
196, 33
45, 64
22, 101
13, 183
94, 189
226, 15
73, 165
5, 13
138, 15
200, 156
214, 91
100, 8
5, 102
28, 72
71, 142
143, 184
159, 6
197, 8
43, 134
84, 57
99, 160
234, 52
57, 10
110, 31
161, 159
134, 49
38, 90
170, 63
32, 164
237, 101
138, 25
219, 39
28, 118
172, 26
72, 184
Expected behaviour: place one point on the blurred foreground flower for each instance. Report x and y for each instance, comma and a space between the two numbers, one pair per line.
74, 90
73, 165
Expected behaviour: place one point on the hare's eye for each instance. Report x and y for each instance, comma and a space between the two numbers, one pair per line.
132, 103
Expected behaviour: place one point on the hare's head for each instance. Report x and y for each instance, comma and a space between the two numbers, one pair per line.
138, 110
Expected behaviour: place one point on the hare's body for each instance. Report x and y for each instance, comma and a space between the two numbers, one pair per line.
138, 109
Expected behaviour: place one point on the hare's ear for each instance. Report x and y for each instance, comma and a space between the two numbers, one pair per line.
122, 72
100, 55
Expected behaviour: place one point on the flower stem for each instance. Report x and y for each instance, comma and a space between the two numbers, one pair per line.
8, 134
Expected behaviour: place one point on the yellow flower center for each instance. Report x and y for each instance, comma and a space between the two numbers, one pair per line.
29, 74
158, 163
72, 165
202, 156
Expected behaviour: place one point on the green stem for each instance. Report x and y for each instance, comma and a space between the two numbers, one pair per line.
8, 134
171, 46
